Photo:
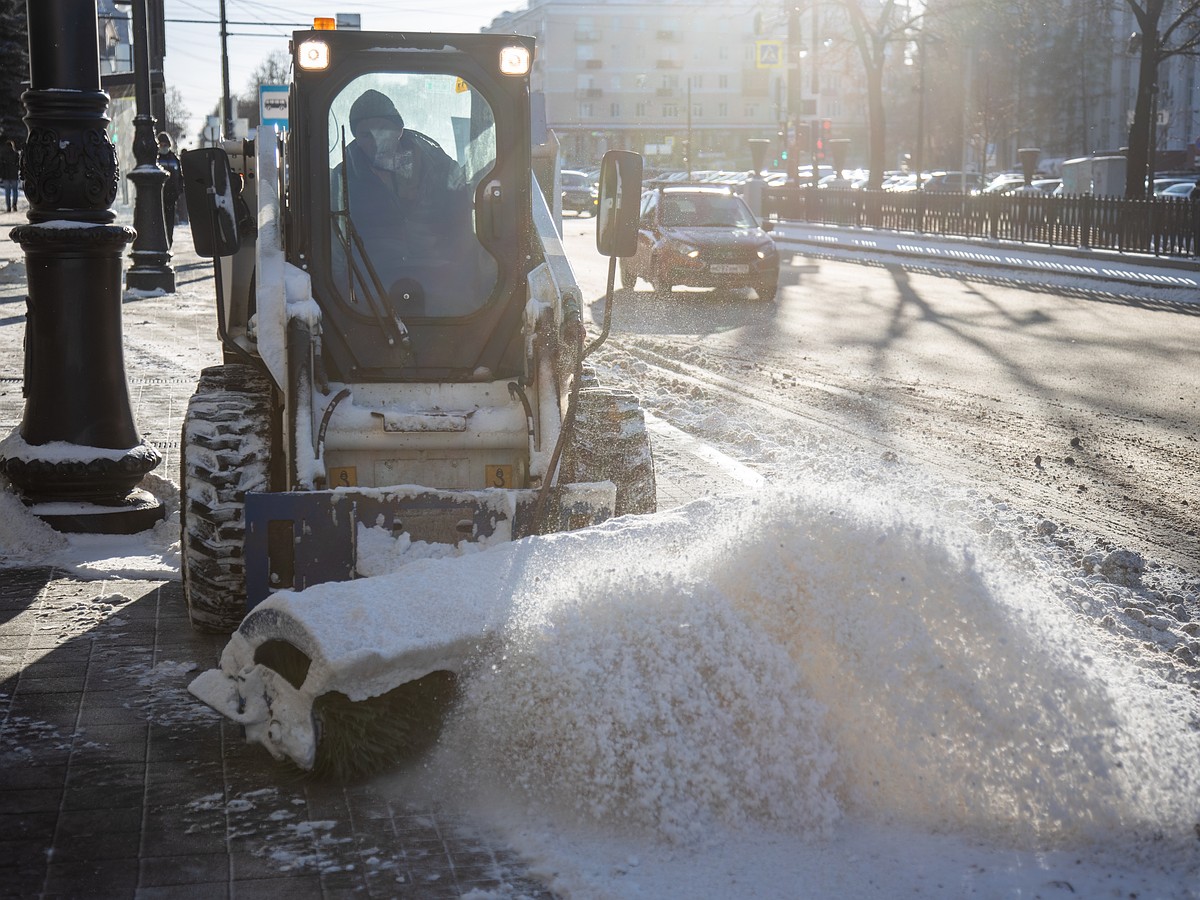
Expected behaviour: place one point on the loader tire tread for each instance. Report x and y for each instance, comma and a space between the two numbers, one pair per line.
611, 444
225, 451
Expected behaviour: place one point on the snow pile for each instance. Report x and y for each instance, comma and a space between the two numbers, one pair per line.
23, 536
25, 540
381, 553
783, 661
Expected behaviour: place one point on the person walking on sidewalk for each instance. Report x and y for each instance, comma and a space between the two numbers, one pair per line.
173, 186
10, 172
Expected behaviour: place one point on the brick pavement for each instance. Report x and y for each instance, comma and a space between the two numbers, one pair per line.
114, 782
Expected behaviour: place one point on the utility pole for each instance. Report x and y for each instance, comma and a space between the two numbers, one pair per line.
687, 144
793, 92
226, 103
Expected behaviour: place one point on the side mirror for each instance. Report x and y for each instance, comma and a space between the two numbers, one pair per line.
766, 225
620, 201
211, 204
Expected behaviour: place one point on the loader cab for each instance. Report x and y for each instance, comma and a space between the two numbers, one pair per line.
409, 201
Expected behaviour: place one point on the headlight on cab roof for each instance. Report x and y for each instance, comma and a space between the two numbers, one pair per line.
514, 61
313, 55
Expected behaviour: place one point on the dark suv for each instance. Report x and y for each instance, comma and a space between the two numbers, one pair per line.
701, 237
579, 193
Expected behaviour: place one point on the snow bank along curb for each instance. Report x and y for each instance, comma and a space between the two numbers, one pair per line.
1103, 265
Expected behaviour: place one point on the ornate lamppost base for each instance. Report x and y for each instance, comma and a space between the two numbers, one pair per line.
83, 489
138, 511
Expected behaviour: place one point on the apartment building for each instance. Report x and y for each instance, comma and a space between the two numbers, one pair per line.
673, 79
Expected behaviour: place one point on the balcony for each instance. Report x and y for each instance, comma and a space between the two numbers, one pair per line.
585, 36
589, 93
668, 64
667, 35
665, 92
593, 64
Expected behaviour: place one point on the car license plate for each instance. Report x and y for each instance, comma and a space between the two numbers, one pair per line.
728, 269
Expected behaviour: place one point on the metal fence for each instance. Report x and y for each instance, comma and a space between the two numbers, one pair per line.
1163, 227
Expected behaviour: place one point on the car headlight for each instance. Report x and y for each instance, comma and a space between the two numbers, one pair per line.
766, 251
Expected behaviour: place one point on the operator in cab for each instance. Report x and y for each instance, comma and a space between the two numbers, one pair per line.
408, 203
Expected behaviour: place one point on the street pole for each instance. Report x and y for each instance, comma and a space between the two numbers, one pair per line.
77, 457
151, 270
226, 101
687, 146
919, 159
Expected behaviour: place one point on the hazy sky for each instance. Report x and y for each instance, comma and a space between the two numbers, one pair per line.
193, 62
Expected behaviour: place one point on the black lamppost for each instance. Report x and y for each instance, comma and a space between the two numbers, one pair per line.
151, 270
77, 456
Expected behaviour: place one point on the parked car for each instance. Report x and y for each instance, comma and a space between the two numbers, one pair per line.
953, 183
579, 193
1004, 183
1163, 184
701, 236
1184, 190
1044, 185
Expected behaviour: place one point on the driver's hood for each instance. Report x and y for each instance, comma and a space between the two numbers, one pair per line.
719, 235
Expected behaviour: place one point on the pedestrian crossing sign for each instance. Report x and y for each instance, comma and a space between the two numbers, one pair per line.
768, 54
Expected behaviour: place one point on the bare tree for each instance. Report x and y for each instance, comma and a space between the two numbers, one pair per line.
274, 69
177, 115
873, 34
1155, 42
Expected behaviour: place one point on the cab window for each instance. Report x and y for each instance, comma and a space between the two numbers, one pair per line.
406, 153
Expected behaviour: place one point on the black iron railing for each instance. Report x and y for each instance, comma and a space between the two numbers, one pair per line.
1163, 227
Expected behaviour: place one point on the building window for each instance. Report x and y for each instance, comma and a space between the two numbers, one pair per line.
670, 111
723, 82
697, 82
722, 109
585, 110
722, 52
697, 110
615, 110
751, 110
640, 110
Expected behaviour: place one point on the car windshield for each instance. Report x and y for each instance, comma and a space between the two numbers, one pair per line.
705, 211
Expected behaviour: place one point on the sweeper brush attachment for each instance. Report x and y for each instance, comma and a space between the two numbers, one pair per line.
356, 740
348, 678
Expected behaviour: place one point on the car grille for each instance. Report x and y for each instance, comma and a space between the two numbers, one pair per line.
727, 254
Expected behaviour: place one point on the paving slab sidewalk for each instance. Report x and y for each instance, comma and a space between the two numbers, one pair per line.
114, 781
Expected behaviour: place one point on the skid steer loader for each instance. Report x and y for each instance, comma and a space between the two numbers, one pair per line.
403, 350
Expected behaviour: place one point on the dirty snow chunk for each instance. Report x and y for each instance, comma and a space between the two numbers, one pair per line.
1123, 567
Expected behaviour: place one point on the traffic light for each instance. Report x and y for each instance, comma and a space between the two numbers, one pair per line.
823, 136
783, 156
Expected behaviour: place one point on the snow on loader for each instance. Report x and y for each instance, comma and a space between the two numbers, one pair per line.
403, 349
